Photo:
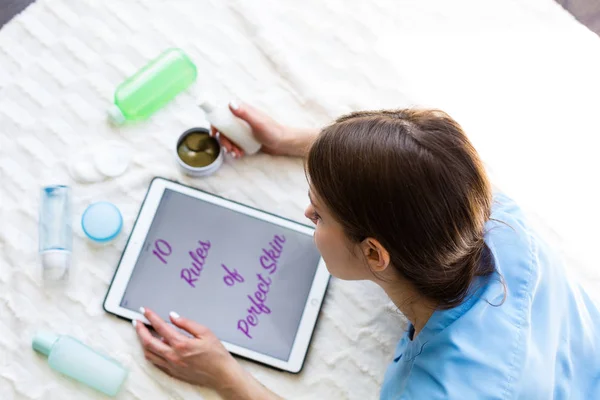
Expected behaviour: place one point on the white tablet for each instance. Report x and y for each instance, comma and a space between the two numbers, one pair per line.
255, 279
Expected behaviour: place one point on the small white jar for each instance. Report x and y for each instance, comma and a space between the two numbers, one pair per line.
190, 146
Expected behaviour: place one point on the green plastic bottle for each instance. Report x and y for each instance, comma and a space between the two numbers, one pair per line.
152, 87
71, 357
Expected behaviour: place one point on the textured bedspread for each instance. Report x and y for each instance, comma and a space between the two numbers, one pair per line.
522, 76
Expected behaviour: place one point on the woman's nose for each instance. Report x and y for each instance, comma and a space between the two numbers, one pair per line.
308, 212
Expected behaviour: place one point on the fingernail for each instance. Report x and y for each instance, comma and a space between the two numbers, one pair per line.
234, 105
142, 310
173, 315
134, 322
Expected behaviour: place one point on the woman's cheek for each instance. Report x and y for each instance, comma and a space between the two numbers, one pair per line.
317, 239
320, 238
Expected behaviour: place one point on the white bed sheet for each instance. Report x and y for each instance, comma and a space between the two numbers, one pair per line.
520, 75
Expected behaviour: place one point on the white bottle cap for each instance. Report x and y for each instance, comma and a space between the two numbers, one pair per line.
55, 264
206, 105
115, 115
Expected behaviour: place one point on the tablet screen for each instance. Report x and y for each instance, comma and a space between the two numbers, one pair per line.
246, 279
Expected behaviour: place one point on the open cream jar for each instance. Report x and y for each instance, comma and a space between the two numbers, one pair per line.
197, 153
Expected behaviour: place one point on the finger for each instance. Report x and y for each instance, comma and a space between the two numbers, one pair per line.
231, 148
165, 341
156, 360
256, 119
188, 325
164, 369
149, 342
226, 143
160, 326
237, 152
213, 131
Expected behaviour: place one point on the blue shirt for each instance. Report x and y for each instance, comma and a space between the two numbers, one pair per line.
543, 342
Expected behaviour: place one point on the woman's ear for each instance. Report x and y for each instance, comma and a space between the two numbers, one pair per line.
376, 255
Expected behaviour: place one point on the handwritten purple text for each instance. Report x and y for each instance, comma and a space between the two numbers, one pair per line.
231, 276
270, 256
191, 274
268, 261
162, 251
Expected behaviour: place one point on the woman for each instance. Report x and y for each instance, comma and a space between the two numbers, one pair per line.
401, 198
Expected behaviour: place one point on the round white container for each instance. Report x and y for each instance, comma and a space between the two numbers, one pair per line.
198, 171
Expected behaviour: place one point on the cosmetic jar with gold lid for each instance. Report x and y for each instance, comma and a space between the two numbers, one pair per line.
197, 153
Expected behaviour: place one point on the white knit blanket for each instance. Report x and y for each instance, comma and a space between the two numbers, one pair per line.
521, 76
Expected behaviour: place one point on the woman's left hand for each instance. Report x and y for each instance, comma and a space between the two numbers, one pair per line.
201, 359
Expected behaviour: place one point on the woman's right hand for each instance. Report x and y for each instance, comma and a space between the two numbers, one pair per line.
275, 138
200, 358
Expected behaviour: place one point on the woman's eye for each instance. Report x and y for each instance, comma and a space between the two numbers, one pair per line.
315, 217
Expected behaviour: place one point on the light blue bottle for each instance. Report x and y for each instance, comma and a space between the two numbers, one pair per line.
71, 357
56, 234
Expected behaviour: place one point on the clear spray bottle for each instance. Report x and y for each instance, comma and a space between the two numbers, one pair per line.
55, 232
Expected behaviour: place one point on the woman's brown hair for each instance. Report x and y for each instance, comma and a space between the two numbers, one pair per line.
412, 180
